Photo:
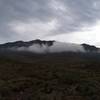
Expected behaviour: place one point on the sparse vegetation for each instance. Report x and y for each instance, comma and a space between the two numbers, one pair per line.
71, 76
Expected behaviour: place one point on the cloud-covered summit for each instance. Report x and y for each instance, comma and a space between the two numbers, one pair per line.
43, 46
28, 19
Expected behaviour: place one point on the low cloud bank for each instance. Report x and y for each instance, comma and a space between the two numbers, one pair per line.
63, 47
56, 47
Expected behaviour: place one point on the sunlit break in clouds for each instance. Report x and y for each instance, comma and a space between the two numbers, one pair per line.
75, 21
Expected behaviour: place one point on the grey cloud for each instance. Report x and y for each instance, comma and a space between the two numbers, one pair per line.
22, 11
71, 15
81, 13
25, 9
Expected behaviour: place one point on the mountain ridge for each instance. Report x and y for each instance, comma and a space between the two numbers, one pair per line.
44, 45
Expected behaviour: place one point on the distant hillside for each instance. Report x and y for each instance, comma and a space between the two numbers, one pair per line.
43, 46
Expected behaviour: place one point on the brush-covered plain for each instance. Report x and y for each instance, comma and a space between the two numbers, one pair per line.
64, 76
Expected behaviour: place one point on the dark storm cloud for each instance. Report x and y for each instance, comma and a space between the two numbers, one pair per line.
78, 14
21, 10
70, 15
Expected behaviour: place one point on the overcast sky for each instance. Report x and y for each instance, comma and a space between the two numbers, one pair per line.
75, 21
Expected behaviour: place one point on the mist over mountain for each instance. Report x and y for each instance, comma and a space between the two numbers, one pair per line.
43, 46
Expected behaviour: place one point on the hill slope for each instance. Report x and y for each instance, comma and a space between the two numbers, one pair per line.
49, 76
42, 46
